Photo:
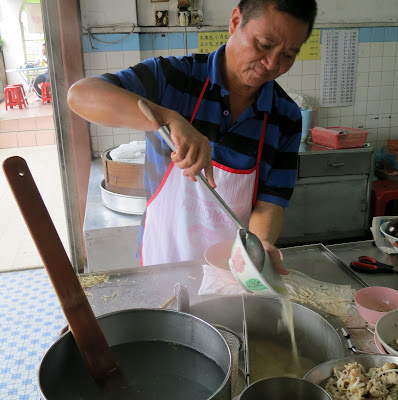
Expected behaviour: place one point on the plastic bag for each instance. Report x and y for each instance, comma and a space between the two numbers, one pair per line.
386, 160
300, 100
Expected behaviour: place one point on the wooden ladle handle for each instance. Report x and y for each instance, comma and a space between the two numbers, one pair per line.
78, 312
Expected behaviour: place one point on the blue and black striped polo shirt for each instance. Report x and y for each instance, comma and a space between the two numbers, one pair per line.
176, 83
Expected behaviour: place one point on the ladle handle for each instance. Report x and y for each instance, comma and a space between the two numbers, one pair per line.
165, 133
78, 312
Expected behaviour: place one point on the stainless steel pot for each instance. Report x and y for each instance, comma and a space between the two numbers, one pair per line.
162, 354
123, 203
317, 333
322, 372
258, 320
284, 388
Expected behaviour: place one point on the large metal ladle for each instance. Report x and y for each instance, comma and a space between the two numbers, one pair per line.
252, 243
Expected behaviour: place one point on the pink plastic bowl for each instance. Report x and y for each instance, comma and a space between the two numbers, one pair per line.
374, 301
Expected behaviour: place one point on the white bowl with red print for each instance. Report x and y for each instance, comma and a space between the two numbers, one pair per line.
390, 239
267, 283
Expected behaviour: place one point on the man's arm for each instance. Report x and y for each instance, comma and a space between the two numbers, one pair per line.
266, 221
102, 103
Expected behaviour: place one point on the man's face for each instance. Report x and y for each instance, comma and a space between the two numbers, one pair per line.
266, 47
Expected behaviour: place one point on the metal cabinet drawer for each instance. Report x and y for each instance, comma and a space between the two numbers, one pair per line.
332, 164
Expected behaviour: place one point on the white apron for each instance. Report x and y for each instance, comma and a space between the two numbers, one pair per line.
182, 219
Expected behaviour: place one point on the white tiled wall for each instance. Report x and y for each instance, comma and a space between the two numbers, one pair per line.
376, 96
103, 138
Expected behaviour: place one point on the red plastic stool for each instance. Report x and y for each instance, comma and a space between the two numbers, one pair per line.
23, 90
14, 97
383, 192
45, 93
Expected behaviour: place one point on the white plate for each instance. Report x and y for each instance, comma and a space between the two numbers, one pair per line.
387, 330
219, 254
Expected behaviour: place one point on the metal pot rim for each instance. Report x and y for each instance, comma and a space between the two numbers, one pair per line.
283, 378
154, 310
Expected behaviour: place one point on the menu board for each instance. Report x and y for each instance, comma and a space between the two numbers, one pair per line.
211, 41
338, 67
311, 49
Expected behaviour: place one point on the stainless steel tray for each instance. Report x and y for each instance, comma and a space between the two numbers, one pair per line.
318, 262
121, 202
134, 285
348, 252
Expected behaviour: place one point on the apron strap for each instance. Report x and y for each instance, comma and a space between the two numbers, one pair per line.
259, 151
260, 144
199, 100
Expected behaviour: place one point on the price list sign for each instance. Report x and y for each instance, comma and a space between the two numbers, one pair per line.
211, 41
338, 67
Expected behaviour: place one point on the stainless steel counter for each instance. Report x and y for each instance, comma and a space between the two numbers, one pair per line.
152, 286
312, 148
111, 237
348, 252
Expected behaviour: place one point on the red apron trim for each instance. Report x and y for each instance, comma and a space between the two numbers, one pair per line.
142, 245
233, 170
166, 175
259, 151
172, 163
199, 100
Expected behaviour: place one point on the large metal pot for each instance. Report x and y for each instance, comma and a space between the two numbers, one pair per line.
162, 354
259, 320
322, 372
317, 333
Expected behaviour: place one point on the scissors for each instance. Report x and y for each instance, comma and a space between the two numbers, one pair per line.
370, 266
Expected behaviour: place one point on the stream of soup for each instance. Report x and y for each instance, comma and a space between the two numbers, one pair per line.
287, 314
269, 359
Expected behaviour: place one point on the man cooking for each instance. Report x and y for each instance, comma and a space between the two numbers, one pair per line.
226, 116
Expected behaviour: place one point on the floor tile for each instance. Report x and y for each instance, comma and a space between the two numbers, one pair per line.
30, 320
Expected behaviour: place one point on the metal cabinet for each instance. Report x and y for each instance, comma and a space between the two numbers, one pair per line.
331, 199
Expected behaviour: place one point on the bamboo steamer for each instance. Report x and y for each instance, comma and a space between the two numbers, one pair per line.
122, 178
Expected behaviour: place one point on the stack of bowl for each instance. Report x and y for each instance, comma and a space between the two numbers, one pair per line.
390, 231
387, 332
374, 303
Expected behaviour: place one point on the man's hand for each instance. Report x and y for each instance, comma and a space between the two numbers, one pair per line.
276, 258
193, 150
266, 222
118, 107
